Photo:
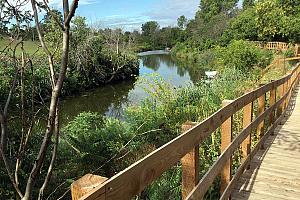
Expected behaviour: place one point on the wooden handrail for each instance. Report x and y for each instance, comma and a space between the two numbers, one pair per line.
274, 45
133, 180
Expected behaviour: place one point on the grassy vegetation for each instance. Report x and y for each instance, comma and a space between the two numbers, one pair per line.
30, 47
158, 119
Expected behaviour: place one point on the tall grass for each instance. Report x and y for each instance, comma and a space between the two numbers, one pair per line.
159, 118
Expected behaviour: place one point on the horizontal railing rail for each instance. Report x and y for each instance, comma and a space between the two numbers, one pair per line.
283, 46
133, 180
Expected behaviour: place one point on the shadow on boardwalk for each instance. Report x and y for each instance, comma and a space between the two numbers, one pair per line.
273, 177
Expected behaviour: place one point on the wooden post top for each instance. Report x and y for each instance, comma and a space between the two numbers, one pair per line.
85, 184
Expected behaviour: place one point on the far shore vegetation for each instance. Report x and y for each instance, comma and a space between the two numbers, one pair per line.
46, 58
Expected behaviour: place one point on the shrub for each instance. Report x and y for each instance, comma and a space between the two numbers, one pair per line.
93, 64
95, 140
243, 55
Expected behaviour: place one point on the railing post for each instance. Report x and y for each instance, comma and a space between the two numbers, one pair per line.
247, 119
281, 93
190, 165
261, 109
272, 102
226, 137
285, 89
85, 184
288, 83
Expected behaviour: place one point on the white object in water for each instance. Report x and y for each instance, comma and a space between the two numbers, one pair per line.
211, 74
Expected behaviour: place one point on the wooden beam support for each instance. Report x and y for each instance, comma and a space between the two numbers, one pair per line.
272, 102
280, 90
261, 109
226, 137
285, 89
247, 119
190, 165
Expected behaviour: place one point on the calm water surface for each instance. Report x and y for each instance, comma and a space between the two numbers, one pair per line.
111, 100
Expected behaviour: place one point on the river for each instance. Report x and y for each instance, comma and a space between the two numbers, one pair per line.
110, 100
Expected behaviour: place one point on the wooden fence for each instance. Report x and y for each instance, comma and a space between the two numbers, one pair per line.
278, 46
272, 45
133, 180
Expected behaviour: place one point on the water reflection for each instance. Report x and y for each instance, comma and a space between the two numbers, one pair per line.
111, 100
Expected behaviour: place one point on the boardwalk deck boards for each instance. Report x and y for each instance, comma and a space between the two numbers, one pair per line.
275, 172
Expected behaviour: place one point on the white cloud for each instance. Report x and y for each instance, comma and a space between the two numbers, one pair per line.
168, 12
59, 4
119, 21
165, 14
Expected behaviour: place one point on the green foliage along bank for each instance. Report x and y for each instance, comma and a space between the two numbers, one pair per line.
151, 124
217, 24
97, 57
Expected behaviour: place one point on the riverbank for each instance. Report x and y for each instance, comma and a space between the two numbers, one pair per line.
111, 100
84, 73
156, 120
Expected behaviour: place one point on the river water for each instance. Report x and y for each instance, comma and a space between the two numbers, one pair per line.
110, 100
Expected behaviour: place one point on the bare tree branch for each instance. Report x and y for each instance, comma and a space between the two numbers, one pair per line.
10, 174
72, 11
43, 44
53, 158
53, 102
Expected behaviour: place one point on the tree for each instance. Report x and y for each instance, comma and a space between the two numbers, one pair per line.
15, 15
149, 33
182, 22
150, 28
291, 7
243, 27
80, 30
248, 3
51, 28
269, 16
113, 38
210, 8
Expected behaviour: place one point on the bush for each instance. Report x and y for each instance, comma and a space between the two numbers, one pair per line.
95, 140
154, 122
243, 55
92, 64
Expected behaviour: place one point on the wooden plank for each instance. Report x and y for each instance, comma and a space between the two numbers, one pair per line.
288, 84
227, 192
201, 188
242, 168
226, 137
275, 173
190, 165
285, 90
265, 187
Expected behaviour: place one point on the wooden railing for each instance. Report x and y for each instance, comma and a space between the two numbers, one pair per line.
278, 46
133, 180
272, 45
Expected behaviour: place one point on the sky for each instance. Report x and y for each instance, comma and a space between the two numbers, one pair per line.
131, 14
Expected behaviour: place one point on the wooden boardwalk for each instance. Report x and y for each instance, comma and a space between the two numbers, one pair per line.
275, 172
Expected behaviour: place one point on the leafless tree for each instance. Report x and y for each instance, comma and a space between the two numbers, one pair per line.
113, 38
57, 79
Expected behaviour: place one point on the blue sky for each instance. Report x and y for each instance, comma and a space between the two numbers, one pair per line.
131, 14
